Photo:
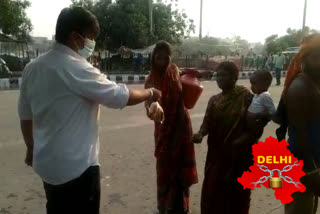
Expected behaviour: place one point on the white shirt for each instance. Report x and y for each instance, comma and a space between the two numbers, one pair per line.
61, 93
262, 102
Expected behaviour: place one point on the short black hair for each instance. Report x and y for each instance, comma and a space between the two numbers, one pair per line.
73, 19
264, 75
230, 67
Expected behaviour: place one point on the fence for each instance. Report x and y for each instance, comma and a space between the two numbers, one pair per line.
128, 65
119, 65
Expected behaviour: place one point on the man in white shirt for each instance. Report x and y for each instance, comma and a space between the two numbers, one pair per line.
59, 106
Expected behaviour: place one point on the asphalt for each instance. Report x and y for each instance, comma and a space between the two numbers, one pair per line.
127, 163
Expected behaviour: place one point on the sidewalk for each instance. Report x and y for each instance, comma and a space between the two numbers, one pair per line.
15, 83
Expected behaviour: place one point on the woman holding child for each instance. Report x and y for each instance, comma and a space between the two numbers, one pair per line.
229, 145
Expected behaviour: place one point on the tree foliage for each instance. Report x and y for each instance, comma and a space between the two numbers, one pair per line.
274, 43
258, 49
211, 46
126, 23
13, 18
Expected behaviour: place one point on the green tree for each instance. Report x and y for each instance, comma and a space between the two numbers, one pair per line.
88, 4
126, 23
293, 38
240, 44
258, 48
171, 25
211, 46
13, 19
271, 44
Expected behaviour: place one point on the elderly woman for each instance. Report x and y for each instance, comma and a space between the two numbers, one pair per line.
229, 145
174, 150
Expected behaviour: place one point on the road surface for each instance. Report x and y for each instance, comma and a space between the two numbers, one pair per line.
127, 164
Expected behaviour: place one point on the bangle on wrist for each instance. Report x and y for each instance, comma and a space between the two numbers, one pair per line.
151, 94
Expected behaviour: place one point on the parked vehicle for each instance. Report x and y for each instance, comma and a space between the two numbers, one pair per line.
292, 50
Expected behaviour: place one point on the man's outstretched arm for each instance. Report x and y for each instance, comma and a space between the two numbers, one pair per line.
137, 96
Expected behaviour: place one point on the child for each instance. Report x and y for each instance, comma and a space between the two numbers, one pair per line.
261, 109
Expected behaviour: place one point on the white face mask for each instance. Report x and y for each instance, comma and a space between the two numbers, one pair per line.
88, 48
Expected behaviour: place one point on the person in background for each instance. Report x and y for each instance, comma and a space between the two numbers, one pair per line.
256, 62
272, 56
302, 103
252, 65
279, 61
59, 109
269, 63
139, 62
174, 150
95, 62
229, 145
264, 62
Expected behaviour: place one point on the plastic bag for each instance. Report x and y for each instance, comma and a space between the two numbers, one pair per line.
156, 112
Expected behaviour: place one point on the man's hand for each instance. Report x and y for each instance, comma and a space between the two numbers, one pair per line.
155, 112
149, 96
29, 157
156, 95
150, 115
197, 138
26, 128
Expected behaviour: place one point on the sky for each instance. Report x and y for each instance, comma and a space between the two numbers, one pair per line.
253, 20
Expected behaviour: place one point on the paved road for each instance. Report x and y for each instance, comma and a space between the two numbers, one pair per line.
128, 166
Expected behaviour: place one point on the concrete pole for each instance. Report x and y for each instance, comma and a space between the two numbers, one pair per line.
151, 16
304, 14
200, 30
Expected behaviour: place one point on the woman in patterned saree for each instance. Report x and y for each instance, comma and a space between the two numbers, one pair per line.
229, 146
174, 150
